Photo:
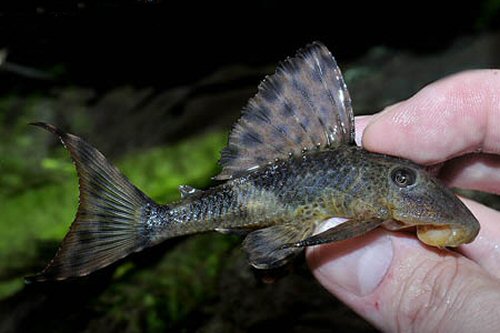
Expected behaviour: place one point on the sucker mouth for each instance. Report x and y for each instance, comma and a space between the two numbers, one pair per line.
438, 235
445, 235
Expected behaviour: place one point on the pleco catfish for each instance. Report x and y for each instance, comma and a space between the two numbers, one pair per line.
291, 163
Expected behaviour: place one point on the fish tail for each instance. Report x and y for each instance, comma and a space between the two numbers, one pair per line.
109, 223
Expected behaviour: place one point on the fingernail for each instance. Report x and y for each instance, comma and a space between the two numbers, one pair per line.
360, 271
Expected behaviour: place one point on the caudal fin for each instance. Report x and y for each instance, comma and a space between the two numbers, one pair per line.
109, 222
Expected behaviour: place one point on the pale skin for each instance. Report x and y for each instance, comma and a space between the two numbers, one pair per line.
390, 278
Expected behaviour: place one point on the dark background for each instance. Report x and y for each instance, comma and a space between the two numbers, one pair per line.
165, 43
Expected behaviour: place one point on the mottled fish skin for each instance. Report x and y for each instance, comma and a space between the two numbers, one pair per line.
291, 163
345, 182
325, 182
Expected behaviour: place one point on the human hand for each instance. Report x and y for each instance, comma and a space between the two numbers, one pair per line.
390, 278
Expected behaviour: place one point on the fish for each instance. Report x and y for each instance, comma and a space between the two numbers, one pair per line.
291, 163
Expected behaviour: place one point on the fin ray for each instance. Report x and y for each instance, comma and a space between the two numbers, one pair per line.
346, 230
109, 221
303, 105
265, 249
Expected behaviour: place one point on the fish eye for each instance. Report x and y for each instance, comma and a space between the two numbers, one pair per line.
403, 177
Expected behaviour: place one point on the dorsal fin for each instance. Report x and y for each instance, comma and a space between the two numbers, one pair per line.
187, 190
304, 105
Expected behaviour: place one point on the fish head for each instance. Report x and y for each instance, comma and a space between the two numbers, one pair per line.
416, 198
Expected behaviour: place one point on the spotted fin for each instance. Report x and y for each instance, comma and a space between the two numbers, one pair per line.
265, 248
304, 105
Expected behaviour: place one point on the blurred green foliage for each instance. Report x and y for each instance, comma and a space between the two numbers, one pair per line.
185, 278
38, 200
19, 149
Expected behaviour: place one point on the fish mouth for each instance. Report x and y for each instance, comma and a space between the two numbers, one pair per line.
439, 235
446, 235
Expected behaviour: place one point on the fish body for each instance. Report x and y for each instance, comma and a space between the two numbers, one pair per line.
345, 182
291, 164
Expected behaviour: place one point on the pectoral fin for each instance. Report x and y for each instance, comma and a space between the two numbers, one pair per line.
346, 230
265, 246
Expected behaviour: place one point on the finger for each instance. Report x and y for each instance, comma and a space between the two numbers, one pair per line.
485, 249
474, 172
360, 124
398, 284
450, 117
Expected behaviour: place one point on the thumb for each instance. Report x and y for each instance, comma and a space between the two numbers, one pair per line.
399, 284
